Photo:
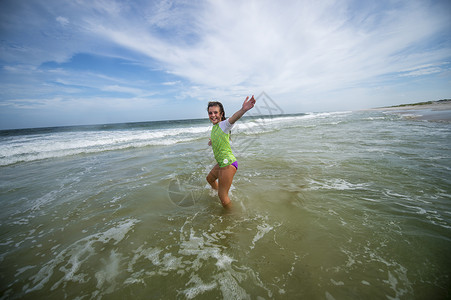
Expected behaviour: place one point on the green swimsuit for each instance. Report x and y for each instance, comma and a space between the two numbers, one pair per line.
220, 142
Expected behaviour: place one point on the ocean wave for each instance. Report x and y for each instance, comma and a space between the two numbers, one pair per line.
61, 144
267, 124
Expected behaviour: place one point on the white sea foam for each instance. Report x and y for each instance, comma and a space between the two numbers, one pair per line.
191, 251
369, 199
109, 271
260, 125
199, 287
21, 270
335, 184
262, 230
419, 210
23, 148
70, 260
60, 144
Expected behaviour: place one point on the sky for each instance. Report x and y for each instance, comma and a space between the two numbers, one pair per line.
75, 62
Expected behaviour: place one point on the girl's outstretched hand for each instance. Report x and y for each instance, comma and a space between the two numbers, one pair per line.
248, 103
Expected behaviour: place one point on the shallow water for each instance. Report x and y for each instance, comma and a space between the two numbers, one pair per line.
325, 206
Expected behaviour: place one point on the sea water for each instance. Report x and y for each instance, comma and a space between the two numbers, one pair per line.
325, 206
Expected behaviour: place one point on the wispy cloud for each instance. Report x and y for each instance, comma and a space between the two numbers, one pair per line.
287, 47
62, 20
127, 90
210, 49
424, 69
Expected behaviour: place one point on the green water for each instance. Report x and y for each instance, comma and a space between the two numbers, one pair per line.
332, 206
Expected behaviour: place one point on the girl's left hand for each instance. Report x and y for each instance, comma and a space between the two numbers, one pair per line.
248, 103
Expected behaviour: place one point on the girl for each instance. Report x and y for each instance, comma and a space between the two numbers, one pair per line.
227, 164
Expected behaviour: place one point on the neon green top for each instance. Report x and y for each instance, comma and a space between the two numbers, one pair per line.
220, 142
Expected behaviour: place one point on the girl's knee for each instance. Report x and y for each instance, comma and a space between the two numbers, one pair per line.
225, 200
211, 179
225, 203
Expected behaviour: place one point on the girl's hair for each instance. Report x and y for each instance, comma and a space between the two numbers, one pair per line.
221, 108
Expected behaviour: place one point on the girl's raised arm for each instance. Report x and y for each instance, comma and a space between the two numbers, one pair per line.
247, 105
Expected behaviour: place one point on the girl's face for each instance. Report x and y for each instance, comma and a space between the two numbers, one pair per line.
214, 114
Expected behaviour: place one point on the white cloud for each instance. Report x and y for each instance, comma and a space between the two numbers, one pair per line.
169, 83
291, 47
294, 45
125, 89
62, 20
301, 51
422, 70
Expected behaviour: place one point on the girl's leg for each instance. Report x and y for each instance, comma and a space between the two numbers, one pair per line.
212, 176
225, 176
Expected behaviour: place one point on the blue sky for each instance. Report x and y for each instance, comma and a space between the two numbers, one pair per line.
104, 61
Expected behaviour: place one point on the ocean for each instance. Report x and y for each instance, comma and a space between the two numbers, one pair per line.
345, 205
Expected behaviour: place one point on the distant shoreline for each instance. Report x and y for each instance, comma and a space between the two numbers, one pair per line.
438, 111
439, 104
